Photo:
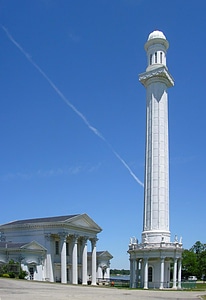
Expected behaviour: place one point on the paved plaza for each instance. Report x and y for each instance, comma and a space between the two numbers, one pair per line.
11, 289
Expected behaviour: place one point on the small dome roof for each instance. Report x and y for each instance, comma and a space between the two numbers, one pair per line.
156, 35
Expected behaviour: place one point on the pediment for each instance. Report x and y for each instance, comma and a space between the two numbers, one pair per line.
33, 246
83, 221
105, 254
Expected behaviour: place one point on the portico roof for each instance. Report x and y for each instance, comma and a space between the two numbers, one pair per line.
75, 222
41, 220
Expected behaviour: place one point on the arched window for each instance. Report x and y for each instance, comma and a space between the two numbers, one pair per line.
150, 59
150, 271
161, 57
155, 57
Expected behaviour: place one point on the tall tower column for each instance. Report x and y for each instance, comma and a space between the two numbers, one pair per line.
156, 80
156, 250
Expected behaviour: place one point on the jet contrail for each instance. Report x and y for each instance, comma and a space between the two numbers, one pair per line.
61, 95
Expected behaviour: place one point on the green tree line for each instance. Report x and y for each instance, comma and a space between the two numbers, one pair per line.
119, 272
194, 261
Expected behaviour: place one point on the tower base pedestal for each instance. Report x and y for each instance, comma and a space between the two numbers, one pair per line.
150, 265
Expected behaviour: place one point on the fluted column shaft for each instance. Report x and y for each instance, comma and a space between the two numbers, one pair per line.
146, 273
134, 271
179, 272
74, 260
49, 266
63, 259
94, 260
162, 267
175, 274
84, 262
131, 273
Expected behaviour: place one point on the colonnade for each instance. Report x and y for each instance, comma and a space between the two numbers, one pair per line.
77, 254
140, 266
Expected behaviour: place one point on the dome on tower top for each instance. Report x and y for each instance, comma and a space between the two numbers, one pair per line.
156, 39
156, 35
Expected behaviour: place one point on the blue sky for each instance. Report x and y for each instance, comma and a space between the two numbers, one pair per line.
54, 160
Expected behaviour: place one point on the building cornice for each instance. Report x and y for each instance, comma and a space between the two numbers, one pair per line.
68, 227
75, 222
155, 246
156, 74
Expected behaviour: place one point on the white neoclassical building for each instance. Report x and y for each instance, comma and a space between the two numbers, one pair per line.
151, 259
56, 249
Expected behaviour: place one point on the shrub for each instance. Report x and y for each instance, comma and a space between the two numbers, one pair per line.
22, 274
5, 275
11, 275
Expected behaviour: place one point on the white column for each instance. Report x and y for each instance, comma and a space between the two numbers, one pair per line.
49, 276
138, 272
84, 261
162, 267
99, 273
131, 272
145, 273
134, 270
179, 272
63, 258
133, 264
94, 260
108, 271
74, 260
175, 274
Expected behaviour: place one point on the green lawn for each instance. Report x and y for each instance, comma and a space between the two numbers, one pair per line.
200, 286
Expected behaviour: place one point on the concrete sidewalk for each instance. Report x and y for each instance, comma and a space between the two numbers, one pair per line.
11, 289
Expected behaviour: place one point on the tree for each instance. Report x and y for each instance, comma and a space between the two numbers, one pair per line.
202, 263
194, 261
12, 269
198, 247
189, 264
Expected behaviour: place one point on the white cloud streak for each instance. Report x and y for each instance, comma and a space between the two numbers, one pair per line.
61, 95
71, 171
